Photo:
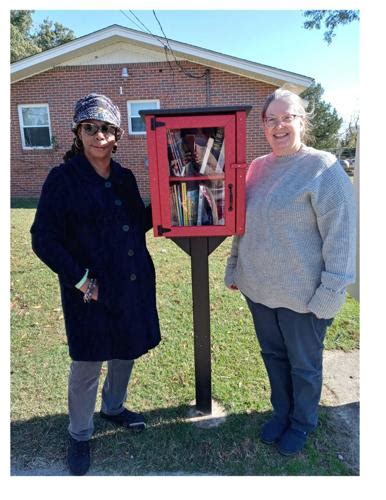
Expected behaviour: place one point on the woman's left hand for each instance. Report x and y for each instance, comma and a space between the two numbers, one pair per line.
84, 287
94, 295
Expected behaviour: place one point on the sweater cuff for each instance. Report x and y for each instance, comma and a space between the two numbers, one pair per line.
326, 302
82, 281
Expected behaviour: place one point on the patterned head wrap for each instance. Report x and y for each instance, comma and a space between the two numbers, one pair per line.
96, 107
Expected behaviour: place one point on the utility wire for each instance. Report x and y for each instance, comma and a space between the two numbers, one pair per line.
129, 18
140, 28
138, 19
166, 46
205, 73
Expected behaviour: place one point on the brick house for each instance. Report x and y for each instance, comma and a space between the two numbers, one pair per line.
137, 71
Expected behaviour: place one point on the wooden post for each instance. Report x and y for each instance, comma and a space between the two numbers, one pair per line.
353, 289
201, 324
199, 249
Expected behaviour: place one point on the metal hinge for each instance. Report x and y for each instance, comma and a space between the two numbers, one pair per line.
154, 123
161, 230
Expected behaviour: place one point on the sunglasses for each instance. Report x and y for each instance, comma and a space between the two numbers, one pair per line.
92, 129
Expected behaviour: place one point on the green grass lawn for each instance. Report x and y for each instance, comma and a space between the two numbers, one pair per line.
162, 384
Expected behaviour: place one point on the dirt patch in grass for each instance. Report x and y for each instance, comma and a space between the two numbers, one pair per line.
341, 397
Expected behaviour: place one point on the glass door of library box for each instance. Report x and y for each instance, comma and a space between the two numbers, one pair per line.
193, 183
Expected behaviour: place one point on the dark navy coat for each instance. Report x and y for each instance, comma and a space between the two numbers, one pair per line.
84, 221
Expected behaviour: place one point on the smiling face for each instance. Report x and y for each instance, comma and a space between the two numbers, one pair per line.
284, 135
97, 147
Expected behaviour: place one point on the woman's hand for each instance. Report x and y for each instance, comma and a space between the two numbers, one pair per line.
84, 287
94, 295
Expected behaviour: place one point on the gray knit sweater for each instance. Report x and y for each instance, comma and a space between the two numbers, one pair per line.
298, 250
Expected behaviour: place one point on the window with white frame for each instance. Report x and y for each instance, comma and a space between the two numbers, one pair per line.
136, 124
35, 127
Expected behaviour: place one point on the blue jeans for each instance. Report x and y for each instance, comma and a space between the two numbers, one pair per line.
292, 349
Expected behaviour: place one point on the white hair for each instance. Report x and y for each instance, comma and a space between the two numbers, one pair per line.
299, 104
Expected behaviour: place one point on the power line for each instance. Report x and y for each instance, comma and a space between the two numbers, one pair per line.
204, 74
167, 47
124, 13
138, 19
140, 28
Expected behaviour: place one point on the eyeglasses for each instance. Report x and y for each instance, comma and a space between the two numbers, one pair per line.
92, 129
273, 122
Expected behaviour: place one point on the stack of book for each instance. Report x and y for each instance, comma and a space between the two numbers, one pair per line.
177, 161
199, 152
213, 159
196, 204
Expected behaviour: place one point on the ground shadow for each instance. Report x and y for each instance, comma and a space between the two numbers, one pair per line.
343, 424
171, 445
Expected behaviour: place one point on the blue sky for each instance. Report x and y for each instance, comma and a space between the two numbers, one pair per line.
272, 37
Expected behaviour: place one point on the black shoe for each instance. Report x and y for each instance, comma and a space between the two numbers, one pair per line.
128, 419
78, 456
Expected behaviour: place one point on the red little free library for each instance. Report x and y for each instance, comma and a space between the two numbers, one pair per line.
197, 168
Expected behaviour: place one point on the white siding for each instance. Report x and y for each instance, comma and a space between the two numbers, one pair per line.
118, 53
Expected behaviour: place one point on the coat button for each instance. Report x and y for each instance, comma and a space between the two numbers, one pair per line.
130, 252
133, 277
125, 227
118, 203
108, 184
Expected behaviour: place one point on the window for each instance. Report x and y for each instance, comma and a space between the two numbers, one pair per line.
136, 124
35, 126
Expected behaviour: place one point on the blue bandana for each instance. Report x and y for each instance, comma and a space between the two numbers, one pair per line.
96, 107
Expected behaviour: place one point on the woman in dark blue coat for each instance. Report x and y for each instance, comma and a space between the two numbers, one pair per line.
90, 229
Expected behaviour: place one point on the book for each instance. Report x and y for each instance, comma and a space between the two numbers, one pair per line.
181, 161
200, 204
197, 204
209, 198
192, 203
195, 151
175, 159
218, 142
218, 191
175, 206
184, 204
206, 156
207, 213
221, 160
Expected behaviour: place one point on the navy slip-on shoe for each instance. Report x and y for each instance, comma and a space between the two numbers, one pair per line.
272, 431
292, 441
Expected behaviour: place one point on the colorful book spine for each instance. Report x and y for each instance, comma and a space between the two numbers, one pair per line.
200, 204
192, 201
184, 204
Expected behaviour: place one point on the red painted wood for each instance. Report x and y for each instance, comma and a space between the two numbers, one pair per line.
234, 124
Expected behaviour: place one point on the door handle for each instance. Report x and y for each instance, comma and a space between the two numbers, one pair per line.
230, 187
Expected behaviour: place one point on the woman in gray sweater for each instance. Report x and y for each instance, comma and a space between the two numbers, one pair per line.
293, 264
